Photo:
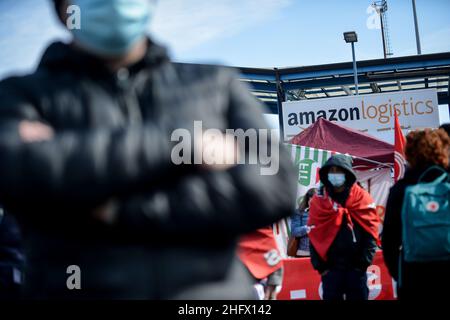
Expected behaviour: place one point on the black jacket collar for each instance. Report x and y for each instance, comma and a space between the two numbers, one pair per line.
62, 56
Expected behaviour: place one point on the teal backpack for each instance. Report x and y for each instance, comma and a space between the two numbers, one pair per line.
426, 219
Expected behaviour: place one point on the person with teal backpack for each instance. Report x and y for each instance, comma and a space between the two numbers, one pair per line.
416, 232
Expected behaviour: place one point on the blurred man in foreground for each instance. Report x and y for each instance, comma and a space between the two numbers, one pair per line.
86, 166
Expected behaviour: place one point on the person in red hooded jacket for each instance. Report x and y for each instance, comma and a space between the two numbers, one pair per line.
343, 231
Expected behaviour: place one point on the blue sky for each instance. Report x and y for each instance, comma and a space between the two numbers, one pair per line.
248, 33
253, 33
268, 33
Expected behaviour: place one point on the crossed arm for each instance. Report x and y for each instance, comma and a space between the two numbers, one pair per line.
95, 165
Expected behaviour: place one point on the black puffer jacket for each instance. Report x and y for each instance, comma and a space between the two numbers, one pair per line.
177, 225
344, 253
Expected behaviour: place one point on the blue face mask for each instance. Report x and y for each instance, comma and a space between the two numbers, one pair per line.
336, 179
112, 27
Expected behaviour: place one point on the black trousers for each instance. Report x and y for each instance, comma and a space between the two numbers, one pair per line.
349, 283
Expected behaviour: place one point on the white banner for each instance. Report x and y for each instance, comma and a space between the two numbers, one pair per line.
372, 113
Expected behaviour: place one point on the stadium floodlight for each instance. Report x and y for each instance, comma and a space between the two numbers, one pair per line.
350, 37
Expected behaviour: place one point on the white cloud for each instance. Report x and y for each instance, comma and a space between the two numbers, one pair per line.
186, 24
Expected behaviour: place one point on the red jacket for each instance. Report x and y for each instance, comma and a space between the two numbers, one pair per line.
326, 216
259, 253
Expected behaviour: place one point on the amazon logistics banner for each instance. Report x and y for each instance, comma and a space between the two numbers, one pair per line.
373, 113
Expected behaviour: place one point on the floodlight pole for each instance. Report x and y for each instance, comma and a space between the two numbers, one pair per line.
355, 72
416, 26
382, 34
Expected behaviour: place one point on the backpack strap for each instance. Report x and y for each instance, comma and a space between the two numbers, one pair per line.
440, 179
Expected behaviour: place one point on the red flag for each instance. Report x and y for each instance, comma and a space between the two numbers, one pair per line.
259, 252
399, 164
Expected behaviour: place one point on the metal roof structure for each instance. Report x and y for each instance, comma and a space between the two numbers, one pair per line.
273, 86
